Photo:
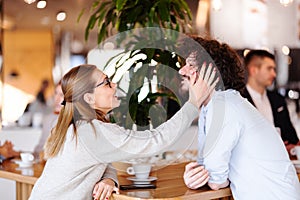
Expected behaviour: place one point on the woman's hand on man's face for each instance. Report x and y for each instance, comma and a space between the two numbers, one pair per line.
202, 84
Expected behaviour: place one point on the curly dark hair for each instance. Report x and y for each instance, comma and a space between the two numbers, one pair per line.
221, 55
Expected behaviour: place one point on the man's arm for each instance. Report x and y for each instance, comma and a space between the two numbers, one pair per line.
215, 186
195, 176
7, 151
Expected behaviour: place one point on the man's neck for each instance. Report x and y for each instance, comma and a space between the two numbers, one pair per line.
258, 88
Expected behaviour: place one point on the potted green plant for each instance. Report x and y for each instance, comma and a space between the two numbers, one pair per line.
117, 16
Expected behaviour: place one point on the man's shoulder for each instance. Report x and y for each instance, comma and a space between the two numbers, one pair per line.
275, 95
228, 98
244, 92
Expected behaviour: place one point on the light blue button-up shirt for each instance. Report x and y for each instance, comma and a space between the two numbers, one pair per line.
242, 146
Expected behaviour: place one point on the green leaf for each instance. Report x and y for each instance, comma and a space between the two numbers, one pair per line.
121, 15
103, 8
182, 4
101, 33
90, 26
95, 4
120, 4
112, 58
164, 10
80, 15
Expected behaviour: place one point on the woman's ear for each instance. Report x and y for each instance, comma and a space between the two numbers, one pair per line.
89, 98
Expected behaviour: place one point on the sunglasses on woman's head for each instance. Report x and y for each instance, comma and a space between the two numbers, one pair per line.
106, 81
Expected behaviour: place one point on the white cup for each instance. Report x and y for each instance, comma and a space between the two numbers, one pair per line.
296, 152
37, 120
25, 119
27, 157
27, 171
141, 171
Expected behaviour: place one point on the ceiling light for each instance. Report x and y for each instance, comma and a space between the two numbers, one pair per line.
246, 51
41, 4
216, 5
61, 16
29, 1
286, 2
285, 50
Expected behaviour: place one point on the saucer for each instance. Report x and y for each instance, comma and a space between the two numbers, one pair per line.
142, 181
24, 164
296, 163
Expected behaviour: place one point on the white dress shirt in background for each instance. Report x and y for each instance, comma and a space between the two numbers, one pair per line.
262, 103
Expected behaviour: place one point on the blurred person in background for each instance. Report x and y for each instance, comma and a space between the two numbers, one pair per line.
50, 120
36, 110
7, 151
40, 103
261, 73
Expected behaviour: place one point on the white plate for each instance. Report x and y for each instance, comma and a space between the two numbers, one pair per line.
23, 164
296, 163
142, 181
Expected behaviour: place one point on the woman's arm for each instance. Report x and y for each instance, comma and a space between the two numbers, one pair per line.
108, 184
114, 143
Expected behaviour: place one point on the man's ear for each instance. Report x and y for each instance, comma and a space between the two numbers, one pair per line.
89, 98
252, 70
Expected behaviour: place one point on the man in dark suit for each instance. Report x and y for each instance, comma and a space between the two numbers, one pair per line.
261, 69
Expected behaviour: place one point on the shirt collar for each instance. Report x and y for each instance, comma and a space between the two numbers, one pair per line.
254, 94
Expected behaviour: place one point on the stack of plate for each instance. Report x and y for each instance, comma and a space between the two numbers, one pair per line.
296, 163
142, 181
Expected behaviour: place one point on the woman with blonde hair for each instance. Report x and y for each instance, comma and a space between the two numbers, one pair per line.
83, 141
108, 180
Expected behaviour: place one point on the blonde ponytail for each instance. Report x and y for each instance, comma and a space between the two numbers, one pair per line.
58, 134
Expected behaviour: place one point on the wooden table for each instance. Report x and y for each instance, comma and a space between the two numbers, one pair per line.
169, 184
25, 177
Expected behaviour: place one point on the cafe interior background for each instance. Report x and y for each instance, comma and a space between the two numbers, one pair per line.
36, 44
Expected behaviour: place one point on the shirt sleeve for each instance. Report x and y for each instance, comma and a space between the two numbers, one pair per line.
217, 161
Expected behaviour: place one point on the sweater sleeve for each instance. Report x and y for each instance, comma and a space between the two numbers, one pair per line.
110, 172
113, 143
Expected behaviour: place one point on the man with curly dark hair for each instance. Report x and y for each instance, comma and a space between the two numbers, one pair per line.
237, 145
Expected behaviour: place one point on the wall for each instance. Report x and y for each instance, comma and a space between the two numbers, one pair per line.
231, 25
30, 54
226, 24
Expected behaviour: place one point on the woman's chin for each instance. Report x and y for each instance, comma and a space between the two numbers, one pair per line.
116, 103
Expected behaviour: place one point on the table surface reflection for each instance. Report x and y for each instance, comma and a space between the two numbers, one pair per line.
169, 183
